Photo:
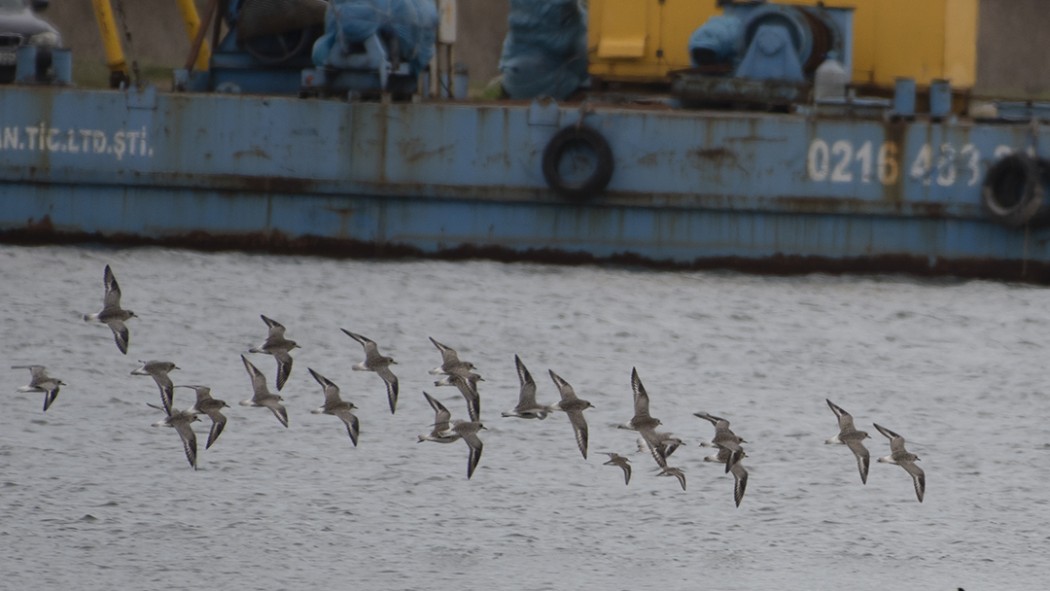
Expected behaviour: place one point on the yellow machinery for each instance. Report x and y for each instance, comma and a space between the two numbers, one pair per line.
924, 40
115, 60
643, 40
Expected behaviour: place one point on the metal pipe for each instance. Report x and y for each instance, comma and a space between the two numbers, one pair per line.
107, 28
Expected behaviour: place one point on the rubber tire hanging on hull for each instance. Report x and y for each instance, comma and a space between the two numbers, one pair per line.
576, 137
1014, 190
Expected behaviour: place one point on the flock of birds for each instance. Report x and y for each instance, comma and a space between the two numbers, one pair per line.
459, 374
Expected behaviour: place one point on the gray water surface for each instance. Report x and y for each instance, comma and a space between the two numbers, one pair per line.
93, 497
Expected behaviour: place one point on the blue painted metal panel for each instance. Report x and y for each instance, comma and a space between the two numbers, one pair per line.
687, 186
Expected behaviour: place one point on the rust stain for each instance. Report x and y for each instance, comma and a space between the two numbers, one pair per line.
721, 156
414, 150
256, 152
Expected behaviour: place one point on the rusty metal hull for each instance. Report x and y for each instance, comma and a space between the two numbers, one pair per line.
765, 192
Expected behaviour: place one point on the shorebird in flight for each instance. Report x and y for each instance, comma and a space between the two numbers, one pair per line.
573, 406
904, 459
180, 420
676, 472
527, 407
616, 459
278, 346
39, 381
376, 362
261, 394
158, 370
468, 387
450, 362
334, 405
439, 432
724, 438
851, 438
111, 314
212, 407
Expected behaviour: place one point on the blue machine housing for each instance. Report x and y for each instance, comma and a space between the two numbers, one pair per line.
763, 53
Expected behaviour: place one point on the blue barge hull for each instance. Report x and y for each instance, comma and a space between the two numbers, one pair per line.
755, 191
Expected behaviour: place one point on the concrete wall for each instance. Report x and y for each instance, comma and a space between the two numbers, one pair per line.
158, 36
1011, 58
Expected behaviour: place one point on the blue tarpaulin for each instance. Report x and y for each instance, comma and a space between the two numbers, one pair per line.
545, 51
412, 22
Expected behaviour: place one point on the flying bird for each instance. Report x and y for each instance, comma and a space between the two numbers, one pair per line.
180, 420
724, 438
212, 407
676, 472
616, 459
450, 362
851, 438
261, 394
440, 432
527, 407
111, 314
336, 406
39, 381
468, 432
740, 482
159, 371
904, 459
278, 346
641, 419
573, 406
468, 387
376, 362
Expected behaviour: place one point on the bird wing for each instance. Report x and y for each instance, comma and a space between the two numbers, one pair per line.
218, 423
120, 333
845, 419
284, 368
276, 329
475, 446
863, 458
527, 394
467, 389
189, 441
353, 425
391, 386
441, 414
896, 441
259, 387
918, 478
331, 391
448, 354
579, 427
278, 411
652, 442
49, 397
112, 297
564, 389
740, 486
641, 398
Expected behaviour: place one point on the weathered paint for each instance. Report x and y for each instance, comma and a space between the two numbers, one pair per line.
775, 192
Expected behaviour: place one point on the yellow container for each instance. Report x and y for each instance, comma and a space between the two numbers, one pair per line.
642, 40
924, 40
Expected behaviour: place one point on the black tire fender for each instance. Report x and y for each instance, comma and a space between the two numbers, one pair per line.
1013, 191
578, 137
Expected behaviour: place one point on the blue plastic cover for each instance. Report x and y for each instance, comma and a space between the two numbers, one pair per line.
545, 51
412, 22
